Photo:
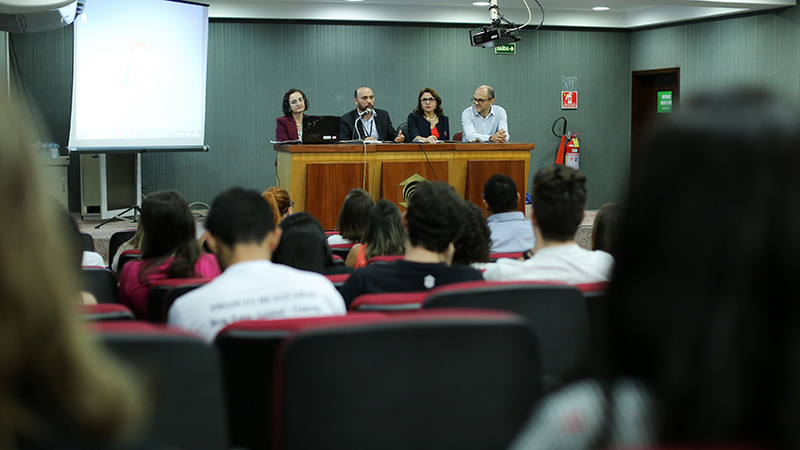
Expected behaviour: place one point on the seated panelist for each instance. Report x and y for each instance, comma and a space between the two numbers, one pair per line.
367, 122
289, 127
427, 123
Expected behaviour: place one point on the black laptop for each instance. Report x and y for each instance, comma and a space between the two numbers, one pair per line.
321, 129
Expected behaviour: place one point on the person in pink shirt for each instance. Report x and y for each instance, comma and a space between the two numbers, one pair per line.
169, 250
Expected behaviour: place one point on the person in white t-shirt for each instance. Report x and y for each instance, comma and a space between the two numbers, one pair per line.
559, 196
242, 234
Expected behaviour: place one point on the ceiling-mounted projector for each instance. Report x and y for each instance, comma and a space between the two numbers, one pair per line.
490, 36
29, 16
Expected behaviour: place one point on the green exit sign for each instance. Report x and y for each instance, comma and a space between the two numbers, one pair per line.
507, 49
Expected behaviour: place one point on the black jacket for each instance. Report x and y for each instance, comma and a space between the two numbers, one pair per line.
386, 131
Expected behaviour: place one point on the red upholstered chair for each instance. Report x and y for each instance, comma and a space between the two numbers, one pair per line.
184, 372
557, 314
385, 258
458, 136
105, 311
247, 350
389, 301
164, 292
101, 282
341, 250
513, 255
448, 380
338, 280
331, 232
127, 256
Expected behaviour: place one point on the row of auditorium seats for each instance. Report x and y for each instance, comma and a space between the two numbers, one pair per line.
444, 379
564, 317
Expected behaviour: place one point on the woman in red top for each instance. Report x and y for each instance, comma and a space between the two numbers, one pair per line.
427, 123
169, 250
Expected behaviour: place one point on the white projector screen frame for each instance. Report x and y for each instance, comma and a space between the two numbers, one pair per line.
139, 77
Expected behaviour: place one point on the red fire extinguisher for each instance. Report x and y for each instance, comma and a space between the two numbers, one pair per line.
573, 151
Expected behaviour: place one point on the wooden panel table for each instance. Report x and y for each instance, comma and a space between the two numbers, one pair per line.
318, 177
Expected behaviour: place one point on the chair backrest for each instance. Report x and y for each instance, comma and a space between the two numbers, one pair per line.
163, 294
87, 242
341, 250
117, 239
458, 136
450, 381
101, 282
338, 280
184, 369
513, 255
404, 128
385, 258
127, 256
105, 311
247, 351
388, 301
557, 314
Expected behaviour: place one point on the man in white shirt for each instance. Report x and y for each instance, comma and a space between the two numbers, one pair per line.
242, 234
511, 232
559, 196
484, 121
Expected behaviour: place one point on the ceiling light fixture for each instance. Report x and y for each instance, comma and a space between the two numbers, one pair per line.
601, 8
480, 3
354, 0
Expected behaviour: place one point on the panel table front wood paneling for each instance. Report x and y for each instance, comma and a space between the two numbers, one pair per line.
394, 173
478, 172
327, 185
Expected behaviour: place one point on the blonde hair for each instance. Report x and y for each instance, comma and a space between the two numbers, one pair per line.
56, 383
279, 201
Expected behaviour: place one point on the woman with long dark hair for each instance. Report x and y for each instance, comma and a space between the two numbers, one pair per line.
303, 246
169, 250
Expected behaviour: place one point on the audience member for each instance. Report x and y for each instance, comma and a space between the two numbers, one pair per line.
701, 317
279, 201
134, 243
58, 388
484, 121
606, 227
427, 123
473, 244
73, 243
169, 250
289, 126
352, 217
383, 235
559, 196
433, 220
243, 235
367, 123
303, 246
510, 231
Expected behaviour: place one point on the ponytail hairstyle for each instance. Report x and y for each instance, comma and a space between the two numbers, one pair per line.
279, 201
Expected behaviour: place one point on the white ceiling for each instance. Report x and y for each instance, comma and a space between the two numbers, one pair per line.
570, 13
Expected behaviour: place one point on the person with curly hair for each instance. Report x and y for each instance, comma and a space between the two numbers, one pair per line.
559, 196
474, 243
289, 126
433, 220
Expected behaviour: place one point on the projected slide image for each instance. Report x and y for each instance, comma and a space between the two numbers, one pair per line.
139, 74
